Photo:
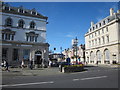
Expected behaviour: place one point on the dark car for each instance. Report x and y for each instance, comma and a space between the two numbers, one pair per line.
63, 63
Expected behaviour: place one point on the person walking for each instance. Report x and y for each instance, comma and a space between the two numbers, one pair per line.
4, 64
31, 64
97, 63
7, 66
22, 64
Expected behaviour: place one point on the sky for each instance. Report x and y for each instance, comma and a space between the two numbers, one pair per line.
68, 20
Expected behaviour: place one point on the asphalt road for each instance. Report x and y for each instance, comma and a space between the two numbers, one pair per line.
93, 77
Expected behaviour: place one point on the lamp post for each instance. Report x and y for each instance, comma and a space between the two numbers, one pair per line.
75, 43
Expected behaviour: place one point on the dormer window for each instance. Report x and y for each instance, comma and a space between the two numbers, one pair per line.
7, 8
93, 28
96, 26
34, 13
108, 20
103, 22
90, 29
21, 11
100, 24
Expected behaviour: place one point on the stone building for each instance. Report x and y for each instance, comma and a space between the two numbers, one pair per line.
23, 35
103, 40
71, 53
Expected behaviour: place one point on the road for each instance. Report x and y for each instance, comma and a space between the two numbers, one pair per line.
93, 77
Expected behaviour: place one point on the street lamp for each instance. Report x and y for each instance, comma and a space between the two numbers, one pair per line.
75, 43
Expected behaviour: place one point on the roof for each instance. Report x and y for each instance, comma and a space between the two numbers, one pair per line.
27, 12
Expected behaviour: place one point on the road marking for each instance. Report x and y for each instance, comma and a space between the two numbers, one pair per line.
26, 84
76, 79
93, 78
78, 72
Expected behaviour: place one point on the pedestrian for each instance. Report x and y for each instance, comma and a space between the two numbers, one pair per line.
31, 64
97, 63
7, 66
50, 63
22, 64
4, 64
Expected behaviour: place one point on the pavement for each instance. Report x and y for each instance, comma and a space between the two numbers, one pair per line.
42, 71
29, 72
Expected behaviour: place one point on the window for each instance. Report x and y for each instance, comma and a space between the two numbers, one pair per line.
31, 36
7, 36
21, 23
107, 39
102, 30
27, 38
103, 39
6, 8
89, 43
36, 39
93, 28
92, 42
8, 22
96, 26
108, 20
100, 24
32, 25
4, 53
21, 10
15, 54
90, 29
26, 54
106, 29
12, 37
98, 55
106, 54
99, 41
34, 13
103, 22
95, 41
89, 36
95, 34
92, 35
3, 36
99, 32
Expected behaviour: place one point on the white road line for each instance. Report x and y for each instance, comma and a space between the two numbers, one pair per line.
78, 72
26, 84
76, 79
93, 78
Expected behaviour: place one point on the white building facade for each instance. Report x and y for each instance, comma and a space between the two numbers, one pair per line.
23, 35
102, 41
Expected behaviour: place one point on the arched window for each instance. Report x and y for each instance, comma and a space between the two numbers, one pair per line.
91, 57
8, 22
21, 23
98, 54
106, 55
32, 25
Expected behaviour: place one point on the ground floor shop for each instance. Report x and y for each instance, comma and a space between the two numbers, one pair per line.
103, 55
15, 52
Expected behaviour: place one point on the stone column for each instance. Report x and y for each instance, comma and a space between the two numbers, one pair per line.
20, 54
10, 55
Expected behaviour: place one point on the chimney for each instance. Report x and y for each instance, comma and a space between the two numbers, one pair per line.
111, 11
118, 11
92, 23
